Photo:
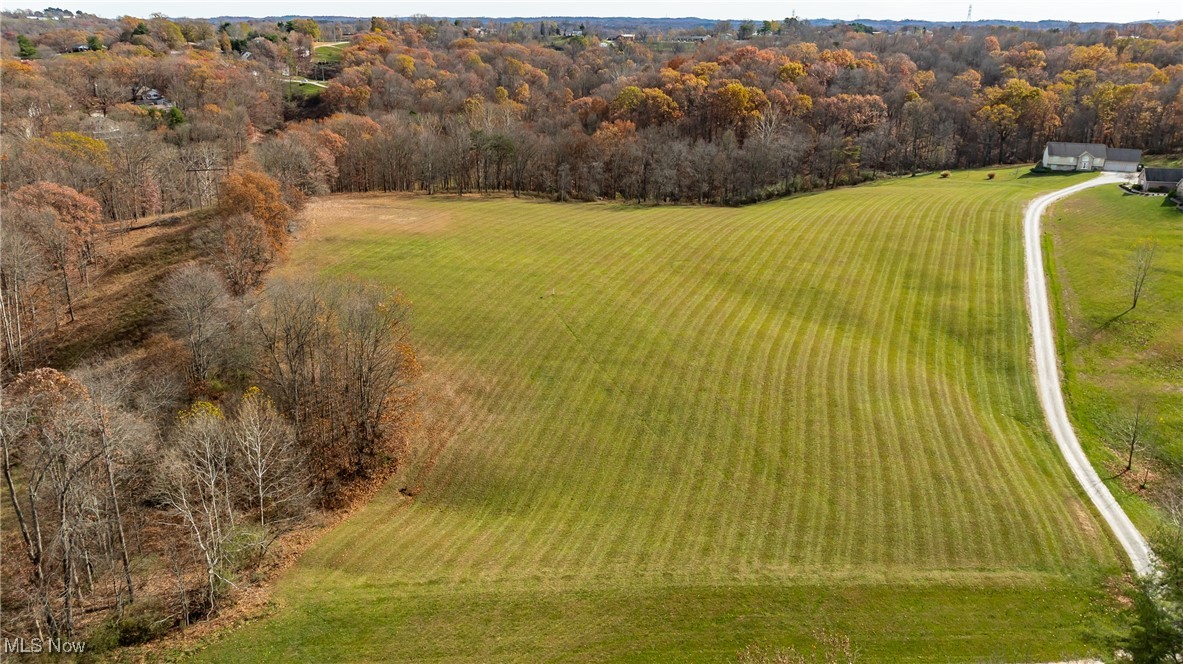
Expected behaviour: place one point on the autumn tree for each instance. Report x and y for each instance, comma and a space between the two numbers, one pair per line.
645, 107
67, 509
69, 236
255, 194
1003, 120
855, 114
240, 249
734, 105
304, 26
337, 358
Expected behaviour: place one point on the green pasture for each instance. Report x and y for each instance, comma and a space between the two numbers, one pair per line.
664, 434
1115, 358
329, 53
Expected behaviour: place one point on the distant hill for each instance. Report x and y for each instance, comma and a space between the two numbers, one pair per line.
690, 22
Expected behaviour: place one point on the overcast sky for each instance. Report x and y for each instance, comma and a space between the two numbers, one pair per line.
933, 10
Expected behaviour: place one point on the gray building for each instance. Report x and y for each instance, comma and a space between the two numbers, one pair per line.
1122, 160
1165, 179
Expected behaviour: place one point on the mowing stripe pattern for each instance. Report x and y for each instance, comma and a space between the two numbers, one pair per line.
831, 388
836, 381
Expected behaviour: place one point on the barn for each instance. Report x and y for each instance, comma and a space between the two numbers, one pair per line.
1059, 156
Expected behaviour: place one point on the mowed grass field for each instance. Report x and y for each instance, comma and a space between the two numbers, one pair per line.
664, 434
328, 52
1114, 358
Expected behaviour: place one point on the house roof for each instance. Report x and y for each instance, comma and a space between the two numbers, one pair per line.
1163, 174
1124, 154
1057, 149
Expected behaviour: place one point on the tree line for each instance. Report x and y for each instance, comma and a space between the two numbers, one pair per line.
435, 106
253, 407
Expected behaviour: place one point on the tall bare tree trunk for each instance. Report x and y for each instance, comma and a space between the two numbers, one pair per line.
69, 296
118, 515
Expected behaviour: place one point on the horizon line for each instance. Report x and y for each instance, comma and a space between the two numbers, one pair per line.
622, 17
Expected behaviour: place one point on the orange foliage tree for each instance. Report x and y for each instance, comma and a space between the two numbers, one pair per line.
69, 237
253, 193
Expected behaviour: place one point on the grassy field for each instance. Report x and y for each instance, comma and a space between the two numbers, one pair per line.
1113, 358
329, 52
668, 433
306, 89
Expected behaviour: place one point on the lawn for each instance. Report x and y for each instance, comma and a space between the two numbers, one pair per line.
306, 89
329, 52
666, 433
1114, 358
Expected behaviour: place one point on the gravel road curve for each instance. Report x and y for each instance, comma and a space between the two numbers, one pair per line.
1048, 379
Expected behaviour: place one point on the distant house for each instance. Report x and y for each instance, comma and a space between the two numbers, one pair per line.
151, 97
1163, 179
1059, 156
623, 37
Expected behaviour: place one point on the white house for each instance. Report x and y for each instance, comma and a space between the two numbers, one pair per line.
1089, 157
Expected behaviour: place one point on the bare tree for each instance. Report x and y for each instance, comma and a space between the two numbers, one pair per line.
22, 273
374, 352
1141, 263
122, 435
196, 484
204, 165
1133, 432
269, 458
197, 305
47, 425
338, 360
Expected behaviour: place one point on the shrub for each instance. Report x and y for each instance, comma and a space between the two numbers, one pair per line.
139, 623
945, 174
990, 175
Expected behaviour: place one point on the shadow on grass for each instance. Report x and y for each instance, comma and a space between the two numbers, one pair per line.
1118, 475
1043, 174
1105, 326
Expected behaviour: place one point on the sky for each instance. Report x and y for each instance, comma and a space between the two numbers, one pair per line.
1118, 11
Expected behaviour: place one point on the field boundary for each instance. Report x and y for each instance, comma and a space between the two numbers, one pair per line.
1047, 377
